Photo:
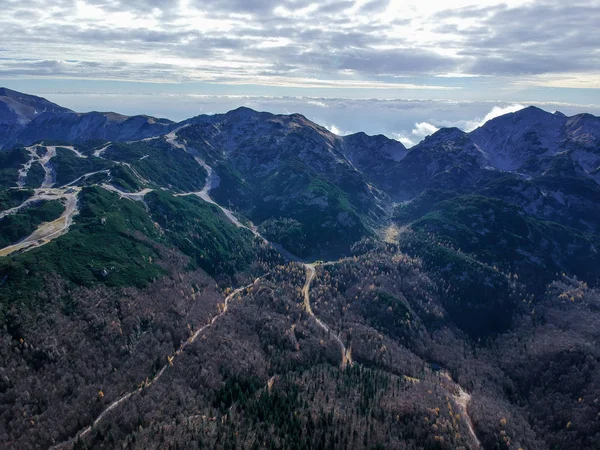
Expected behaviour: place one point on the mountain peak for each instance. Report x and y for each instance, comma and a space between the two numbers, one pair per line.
243, 113
532, 112
451, 133
532, 108
18, 101
529, 114
361, 135
242, 110
17, 110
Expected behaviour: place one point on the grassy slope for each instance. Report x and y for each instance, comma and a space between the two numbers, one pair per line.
69, 166
201, 231
165, 166
123, 178
105, 244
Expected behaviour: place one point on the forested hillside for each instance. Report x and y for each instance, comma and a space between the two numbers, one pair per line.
250, 280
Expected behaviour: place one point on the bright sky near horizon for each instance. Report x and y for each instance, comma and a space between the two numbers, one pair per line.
527, 51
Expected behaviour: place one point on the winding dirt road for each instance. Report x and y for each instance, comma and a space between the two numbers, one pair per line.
135, 196
462, 398
346, 353
210, 183
204, 194
159, 374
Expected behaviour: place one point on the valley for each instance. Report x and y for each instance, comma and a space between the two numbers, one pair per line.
250, 280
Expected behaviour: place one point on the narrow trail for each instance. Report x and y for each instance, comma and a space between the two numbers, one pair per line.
463, 400
135, 196
346, 353
49, 231
159, 374
85, 177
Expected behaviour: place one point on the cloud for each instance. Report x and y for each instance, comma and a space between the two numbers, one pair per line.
317, 103
406, 141
496, 111
362, 44
534, 38
420, 131
335, 130
423, 129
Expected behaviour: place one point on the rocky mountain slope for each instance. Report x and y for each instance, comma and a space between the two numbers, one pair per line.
17, 110
274, 167
526, 141
26, 119
251, 280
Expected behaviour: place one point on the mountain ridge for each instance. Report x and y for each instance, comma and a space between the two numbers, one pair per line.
252, 280
578, 133
26, 119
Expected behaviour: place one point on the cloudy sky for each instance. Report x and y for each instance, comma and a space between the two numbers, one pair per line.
403, 66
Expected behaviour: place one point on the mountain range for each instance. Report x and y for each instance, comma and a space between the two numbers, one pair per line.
252, 280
